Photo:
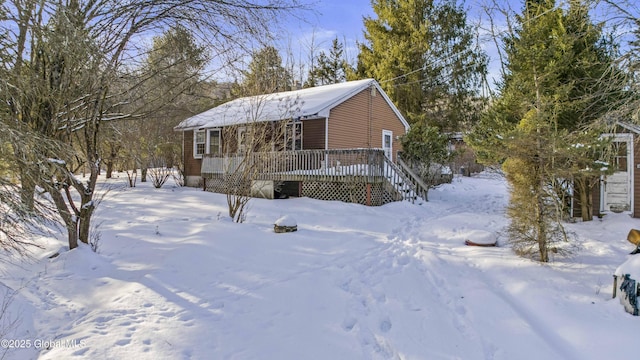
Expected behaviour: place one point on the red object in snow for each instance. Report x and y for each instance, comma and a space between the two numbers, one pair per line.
471, 243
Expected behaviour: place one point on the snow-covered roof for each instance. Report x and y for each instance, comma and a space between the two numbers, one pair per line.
309, 103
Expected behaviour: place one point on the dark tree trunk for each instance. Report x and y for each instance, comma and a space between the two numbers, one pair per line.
27, 190
109, 169
69, 218
583, 193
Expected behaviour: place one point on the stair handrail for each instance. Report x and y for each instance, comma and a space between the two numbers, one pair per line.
421, 187
405, 180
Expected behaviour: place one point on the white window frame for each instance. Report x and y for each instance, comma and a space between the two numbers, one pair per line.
196, 154
208, 147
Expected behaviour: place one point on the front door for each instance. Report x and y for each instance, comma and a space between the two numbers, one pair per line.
387, 143
616, 188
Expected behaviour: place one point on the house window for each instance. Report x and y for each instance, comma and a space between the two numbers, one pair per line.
199, 143
293, 136
215, 145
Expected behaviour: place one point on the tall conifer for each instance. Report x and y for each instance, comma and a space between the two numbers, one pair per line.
544, 125
424, 55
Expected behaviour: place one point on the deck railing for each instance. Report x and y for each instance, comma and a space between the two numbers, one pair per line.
336, 165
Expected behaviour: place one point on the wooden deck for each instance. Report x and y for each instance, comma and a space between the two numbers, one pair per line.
365, 171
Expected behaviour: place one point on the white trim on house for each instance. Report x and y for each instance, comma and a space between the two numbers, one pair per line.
631, 127
293, 138
198, 154
388, 150
242, 139
206, 142
326, 132
209, 144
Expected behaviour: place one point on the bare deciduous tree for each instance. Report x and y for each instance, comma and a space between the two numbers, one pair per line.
63, 62
252, 148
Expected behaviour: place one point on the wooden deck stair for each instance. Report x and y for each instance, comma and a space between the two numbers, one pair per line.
405, 181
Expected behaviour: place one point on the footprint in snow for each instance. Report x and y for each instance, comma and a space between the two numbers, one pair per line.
385, 325
123, 342
349, 323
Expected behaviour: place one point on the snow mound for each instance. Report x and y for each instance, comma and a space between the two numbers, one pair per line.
287, 221
630, 267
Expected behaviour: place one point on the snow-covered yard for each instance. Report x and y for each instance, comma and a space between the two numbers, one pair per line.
174, 278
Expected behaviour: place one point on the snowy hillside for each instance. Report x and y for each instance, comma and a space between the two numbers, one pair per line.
175, 279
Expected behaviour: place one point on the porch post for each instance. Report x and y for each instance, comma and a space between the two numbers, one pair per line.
326, 133
368, 201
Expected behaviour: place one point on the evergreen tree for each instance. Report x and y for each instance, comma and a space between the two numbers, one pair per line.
424, 56
172, 90
543, 125
175, 64
425, 149
629, 107
329, 69
265, 75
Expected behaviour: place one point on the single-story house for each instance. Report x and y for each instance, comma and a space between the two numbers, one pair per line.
328, 130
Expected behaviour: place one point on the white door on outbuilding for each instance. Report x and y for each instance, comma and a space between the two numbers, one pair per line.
616, 188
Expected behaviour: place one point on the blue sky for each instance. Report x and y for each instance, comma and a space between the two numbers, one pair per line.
344, 19
330, 19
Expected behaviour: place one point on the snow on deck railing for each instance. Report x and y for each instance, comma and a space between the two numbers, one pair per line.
334, 163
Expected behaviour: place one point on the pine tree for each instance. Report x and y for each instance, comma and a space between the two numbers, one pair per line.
543, 127
265, 74
424, 56
172, 90
175, 64
329, 69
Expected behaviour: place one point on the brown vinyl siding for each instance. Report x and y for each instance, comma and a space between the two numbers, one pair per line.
358, 123
313, 134
191, 166
595, 201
